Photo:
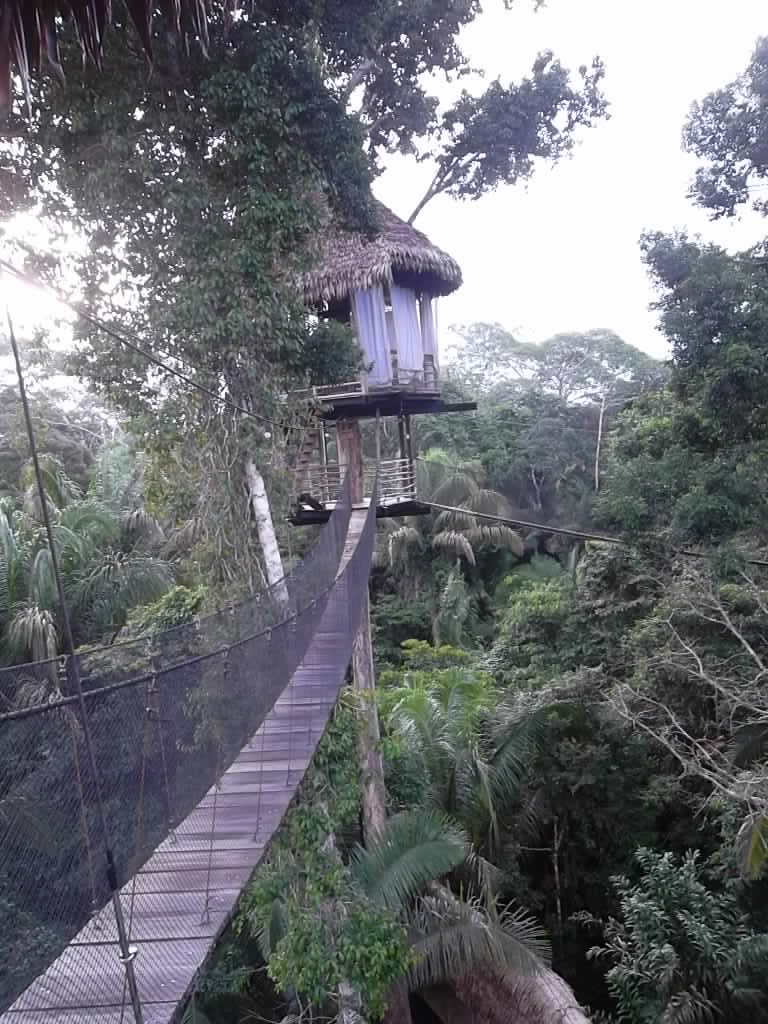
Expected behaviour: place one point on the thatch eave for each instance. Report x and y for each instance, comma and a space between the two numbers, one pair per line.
348, 260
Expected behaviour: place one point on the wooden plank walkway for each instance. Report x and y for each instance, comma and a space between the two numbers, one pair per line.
183, 897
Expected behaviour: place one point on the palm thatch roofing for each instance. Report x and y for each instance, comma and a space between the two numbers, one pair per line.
30, 29
348, 260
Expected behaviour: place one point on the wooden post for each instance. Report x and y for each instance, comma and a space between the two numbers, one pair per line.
350, 446
369, 736
408, 439
401, 435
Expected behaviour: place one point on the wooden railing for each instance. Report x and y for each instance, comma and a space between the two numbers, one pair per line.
328, 392
397, 481
402, 380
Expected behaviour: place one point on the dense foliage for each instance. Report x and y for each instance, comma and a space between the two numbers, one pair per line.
109, 552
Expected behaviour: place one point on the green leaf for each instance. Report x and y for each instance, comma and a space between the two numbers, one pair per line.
414, 848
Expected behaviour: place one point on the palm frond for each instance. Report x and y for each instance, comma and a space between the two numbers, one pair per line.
490, 502
269, 931
455, 521
183, 537
42, 580
519, 733
32, 634
454, 608
9, 557
59, 488
419, 720
752, 846
455, 488
455, 544
451, 937
414, 848
91, 519
400, 541
488, 877
497, 536
138, 524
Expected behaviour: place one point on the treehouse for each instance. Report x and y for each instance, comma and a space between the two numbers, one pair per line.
386, 287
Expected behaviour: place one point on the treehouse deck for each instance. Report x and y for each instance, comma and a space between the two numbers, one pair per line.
358, 400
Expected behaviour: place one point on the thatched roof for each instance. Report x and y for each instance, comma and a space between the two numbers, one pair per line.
29, 30
399, 253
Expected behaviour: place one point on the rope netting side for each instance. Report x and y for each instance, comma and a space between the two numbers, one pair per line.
34, 682
167, 715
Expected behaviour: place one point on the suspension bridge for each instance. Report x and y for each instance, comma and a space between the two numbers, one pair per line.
200, 737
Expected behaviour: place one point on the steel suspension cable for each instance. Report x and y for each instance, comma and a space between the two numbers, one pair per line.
566, 531
127, 955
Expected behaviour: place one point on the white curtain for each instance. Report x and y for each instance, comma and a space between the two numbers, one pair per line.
368, 311
410, 355
428, 326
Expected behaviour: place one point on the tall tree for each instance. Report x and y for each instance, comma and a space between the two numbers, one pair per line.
728, 130
498, 137
714, 310
200, 204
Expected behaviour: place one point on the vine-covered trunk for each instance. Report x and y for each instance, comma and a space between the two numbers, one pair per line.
369, 737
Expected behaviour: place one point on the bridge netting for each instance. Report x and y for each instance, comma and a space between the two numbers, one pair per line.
168, 715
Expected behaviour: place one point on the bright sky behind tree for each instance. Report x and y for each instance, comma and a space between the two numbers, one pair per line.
562, 253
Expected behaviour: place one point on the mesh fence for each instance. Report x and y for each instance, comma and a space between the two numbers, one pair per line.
167, 716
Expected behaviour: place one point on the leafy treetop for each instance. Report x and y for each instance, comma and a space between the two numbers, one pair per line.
728, 130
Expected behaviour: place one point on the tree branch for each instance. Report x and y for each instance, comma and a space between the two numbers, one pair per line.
358, 76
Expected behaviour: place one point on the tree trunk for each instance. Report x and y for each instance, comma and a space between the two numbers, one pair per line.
542, 998
599, 443
349, 1004
369, 736
398, 1006
537, 504
348, 996
273, 563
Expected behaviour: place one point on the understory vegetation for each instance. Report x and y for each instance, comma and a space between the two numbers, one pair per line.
571, 655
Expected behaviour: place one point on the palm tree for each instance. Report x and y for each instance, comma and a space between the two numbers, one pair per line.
104, 544
457, 535
470, 745
451, 540
405, 871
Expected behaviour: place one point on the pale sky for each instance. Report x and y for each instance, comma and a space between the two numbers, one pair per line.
561, 253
